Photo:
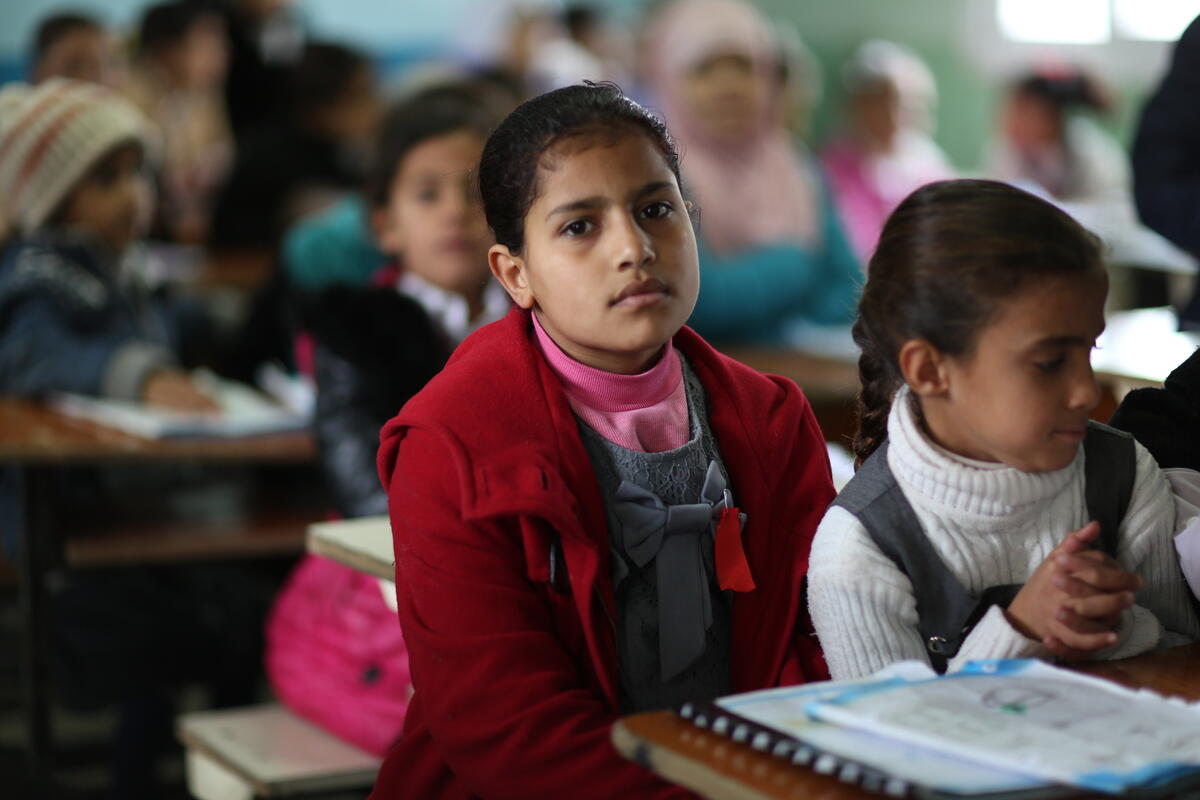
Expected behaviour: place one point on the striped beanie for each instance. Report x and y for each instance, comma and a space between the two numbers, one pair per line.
50, 136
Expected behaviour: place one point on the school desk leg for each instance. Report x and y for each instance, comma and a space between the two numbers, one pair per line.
36, 558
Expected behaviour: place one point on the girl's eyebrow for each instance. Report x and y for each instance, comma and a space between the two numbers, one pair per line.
596, 201
585, 204
1064, 341
651, 188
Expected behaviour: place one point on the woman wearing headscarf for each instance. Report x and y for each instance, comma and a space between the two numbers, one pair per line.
774, 258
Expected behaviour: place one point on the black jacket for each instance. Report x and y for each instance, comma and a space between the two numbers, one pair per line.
1166, 153
373, 349
1167, 420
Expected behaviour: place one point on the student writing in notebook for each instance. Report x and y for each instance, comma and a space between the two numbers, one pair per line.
594, 513
989, 519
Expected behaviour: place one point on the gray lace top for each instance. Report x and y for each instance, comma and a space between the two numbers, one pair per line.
673, 622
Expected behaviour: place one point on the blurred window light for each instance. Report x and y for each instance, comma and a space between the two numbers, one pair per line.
1059, 21
1157, 20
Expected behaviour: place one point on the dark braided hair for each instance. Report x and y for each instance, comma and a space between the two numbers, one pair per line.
508, 168
947, 257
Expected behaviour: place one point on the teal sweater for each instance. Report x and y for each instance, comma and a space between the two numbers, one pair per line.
752, 295
332, 247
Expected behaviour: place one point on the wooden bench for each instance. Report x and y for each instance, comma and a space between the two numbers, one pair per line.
267, 751
264, 533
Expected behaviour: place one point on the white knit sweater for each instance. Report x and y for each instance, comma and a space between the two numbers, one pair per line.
990, 524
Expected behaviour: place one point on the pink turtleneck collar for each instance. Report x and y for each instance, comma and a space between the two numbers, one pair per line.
646, 412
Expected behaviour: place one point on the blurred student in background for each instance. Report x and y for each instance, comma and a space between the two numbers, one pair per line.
773, 255
577, 45
182, 58
1052, 145
295, 167
589, 27
70, 173
1166, 154
1166, 157
884, 151
74, 46
73, 319
374, 347
339, 245
1047, 139
266, 42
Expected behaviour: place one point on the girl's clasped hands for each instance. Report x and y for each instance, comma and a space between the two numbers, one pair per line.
1074, 600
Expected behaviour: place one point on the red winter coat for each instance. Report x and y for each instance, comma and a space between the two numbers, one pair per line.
516, 683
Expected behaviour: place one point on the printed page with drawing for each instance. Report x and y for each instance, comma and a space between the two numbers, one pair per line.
1034, 719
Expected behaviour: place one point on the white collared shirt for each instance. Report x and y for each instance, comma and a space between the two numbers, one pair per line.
449, 310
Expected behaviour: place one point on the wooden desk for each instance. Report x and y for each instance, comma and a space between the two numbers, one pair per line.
1141, 346
716, 767
35, 439
821, 377
33, 434
1138, 348
830, 384
261, 533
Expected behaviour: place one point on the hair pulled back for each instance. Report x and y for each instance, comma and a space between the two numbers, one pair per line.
437, 111
1066, 91
948, 256
508, 169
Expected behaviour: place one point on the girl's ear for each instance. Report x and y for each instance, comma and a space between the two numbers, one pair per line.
924, 368
510, 271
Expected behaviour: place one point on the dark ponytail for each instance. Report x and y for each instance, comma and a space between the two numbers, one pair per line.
947, 256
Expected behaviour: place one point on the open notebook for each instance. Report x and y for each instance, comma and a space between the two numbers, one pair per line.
997, 729
244, 412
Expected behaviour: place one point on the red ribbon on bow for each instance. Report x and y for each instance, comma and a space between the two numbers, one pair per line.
733, 571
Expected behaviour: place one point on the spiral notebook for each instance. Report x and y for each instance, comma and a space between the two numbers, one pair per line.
906, 732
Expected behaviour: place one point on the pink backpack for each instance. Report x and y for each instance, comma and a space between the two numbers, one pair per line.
335, 654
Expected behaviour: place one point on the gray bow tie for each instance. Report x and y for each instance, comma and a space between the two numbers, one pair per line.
650, 528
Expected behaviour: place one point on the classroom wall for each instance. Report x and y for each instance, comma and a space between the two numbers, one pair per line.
969, 57
959, 39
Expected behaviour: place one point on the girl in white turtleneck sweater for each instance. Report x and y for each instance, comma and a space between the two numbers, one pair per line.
976, 326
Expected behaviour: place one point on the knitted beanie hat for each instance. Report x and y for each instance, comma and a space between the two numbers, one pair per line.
50, 136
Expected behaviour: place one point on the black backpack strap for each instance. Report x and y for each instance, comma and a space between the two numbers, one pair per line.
946, 611
1109, 470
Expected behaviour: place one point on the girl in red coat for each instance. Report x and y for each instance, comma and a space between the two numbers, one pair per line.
594, 512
